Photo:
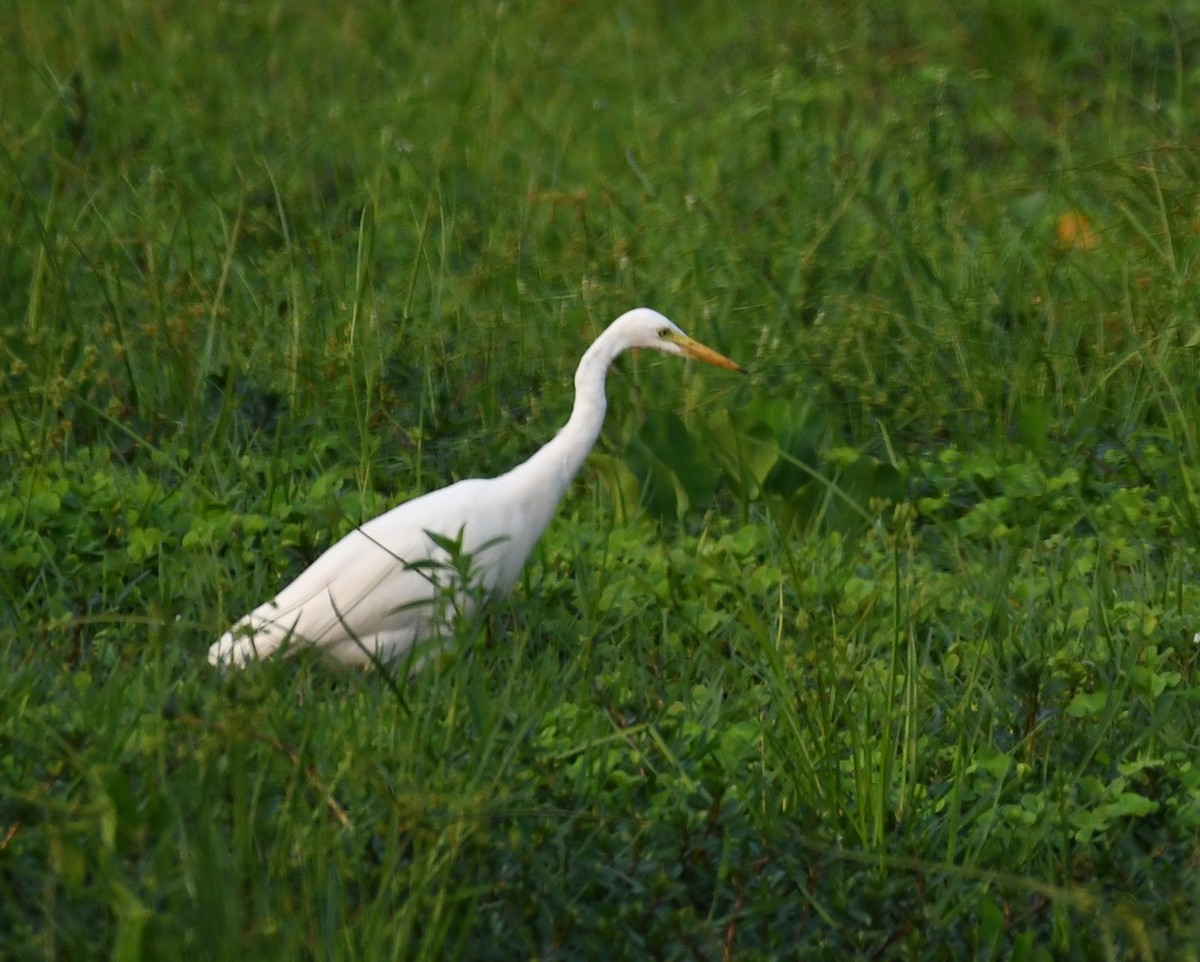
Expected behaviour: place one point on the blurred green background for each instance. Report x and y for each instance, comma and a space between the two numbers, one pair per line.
884, 651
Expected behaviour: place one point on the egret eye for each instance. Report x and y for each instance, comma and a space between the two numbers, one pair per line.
664, 332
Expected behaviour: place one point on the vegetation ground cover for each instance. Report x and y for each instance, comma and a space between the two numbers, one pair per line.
885, 651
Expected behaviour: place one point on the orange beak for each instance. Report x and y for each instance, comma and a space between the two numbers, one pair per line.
698, 352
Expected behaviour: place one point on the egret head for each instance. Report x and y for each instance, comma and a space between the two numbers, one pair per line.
643, 327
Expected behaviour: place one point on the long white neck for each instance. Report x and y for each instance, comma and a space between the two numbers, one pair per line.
561, 457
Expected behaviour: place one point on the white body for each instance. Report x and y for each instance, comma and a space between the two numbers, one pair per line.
387, 585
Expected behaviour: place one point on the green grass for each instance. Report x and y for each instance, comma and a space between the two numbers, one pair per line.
894, 661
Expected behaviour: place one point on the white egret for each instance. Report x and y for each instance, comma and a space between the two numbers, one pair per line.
397, 580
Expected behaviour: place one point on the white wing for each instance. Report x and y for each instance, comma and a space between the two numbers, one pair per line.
388, 584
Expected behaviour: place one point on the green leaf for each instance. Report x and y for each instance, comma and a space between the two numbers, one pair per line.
132, 916
991, 928
1087, 703
842, 501
620, 482
1032, 418
144, 543
1131, 804
797, 431
673, 468
747, 450
662, 496
690, 461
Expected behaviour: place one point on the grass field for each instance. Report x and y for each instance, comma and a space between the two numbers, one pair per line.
882, 652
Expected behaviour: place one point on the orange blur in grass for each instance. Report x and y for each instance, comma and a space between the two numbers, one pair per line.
1074, 232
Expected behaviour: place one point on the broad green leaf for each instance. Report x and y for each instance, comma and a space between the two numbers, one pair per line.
797, 430
746, 450
674, 469
1087, 703
662, 496
1032, 419
620, 482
